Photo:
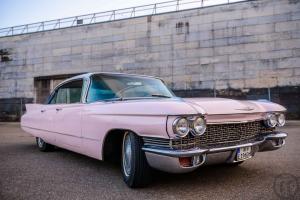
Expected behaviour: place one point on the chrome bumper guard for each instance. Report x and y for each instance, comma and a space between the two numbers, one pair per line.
165, 159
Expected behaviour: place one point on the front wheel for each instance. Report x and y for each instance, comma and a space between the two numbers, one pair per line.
43, 146
135, 169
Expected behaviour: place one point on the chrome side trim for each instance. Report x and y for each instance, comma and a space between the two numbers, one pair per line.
175, 153
74, 136
221, 149
86, 89
277, 135
234, 122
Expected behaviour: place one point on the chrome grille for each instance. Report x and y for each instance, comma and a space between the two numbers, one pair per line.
218, 134
159, 142
215, 135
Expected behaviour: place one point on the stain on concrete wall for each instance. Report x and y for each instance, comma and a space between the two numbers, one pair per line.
5, 55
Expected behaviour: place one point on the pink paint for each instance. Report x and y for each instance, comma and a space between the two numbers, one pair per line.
83, 127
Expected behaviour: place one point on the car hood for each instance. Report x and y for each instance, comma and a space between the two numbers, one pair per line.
179, 106
173, 106
221, 106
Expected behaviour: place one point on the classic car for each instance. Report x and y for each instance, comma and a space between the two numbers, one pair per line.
138, 121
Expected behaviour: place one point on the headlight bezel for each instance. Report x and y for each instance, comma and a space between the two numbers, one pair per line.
174, 126
190, 125
268, 120
274, 116
281, 124
194, 129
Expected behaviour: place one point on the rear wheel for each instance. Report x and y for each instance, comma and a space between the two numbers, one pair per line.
135, 169
43, 146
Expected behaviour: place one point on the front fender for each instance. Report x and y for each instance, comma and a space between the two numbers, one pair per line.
95, 127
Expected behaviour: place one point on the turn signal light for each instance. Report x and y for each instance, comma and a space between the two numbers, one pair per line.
185, 161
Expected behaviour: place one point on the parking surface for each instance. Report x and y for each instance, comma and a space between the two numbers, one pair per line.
27, 173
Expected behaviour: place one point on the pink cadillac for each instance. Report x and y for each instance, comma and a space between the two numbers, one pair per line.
137, 120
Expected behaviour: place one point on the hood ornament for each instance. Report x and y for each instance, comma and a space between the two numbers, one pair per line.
245, 108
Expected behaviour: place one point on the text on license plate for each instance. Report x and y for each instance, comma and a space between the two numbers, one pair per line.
243, 153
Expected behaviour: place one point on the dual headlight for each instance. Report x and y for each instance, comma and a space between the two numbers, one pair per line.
182, 126
274, 119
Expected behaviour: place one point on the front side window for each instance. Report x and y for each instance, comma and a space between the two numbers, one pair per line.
68, 93
106, 87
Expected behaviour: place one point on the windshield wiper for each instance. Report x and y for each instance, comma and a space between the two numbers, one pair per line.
113, 99
160, 95
132, 98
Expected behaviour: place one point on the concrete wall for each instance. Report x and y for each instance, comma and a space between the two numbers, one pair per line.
235, 50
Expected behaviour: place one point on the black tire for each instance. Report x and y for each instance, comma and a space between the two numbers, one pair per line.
43, 146
140, 171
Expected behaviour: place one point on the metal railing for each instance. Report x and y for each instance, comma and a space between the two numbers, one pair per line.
12, 110
125, 13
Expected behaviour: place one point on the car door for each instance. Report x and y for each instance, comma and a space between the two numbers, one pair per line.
39, 119
67, 119
45, 121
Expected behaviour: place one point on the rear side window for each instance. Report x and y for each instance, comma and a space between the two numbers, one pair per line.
68, 93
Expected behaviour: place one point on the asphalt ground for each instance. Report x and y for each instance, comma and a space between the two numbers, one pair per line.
27, 173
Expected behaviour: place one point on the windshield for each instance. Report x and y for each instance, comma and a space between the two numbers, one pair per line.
110, 87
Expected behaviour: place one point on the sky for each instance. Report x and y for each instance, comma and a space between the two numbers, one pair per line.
19, 12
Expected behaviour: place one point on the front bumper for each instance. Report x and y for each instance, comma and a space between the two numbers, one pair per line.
167, 159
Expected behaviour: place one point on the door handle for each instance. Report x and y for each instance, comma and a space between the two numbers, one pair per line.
42, 111
58, 109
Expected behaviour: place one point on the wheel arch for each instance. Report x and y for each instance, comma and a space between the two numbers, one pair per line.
112, 144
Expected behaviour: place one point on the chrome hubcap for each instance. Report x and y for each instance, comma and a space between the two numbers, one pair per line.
40, 142
126, 154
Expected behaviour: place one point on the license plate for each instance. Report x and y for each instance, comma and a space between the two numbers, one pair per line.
243, 153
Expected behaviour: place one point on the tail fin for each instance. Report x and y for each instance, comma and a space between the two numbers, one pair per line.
33, 107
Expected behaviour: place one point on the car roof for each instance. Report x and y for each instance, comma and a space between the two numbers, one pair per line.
88, 75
